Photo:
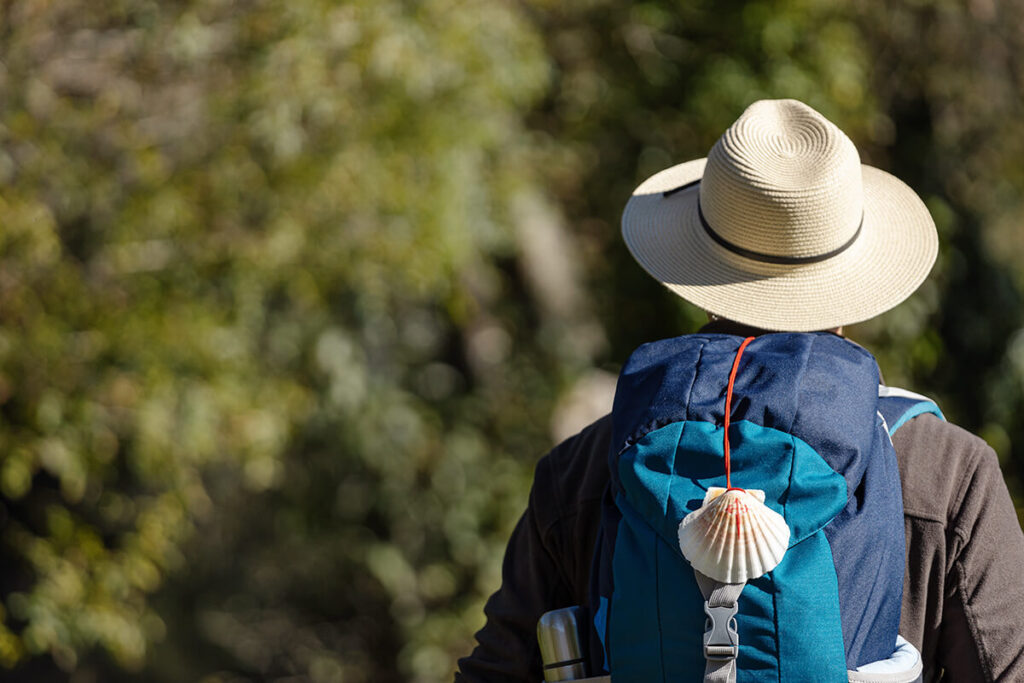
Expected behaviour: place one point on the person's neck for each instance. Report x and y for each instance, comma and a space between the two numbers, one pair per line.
724, 326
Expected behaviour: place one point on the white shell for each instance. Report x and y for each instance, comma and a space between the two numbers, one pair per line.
733, 537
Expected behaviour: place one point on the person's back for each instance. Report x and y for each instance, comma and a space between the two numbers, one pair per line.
782, 229
752, 481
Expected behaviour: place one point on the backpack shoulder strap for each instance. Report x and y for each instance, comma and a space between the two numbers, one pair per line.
899, 406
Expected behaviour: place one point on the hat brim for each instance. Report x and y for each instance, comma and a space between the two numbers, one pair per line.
890, 258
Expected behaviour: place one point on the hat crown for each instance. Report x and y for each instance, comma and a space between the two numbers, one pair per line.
784, 181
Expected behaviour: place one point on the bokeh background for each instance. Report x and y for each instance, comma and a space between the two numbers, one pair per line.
294, 293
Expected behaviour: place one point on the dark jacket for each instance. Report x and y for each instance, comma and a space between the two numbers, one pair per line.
963, 598
964, 585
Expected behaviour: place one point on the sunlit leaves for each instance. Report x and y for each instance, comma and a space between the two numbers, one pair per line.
310, 277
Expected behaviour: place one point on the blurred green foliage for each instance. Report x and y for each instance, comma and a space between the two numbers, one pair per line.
294, 294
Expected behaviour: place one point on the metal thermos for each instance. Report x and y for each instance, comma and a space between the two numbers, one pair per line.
560, 648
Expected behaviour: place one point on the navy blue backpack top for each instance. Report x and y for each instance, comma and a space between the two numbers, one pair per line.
810, 426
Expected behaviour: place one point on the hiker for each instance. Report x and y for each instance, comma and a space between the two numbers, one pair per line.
781, 229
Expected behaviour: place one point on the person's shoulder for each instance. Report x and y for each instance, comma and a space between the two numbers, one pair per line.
576, 457
575, 472
938, 461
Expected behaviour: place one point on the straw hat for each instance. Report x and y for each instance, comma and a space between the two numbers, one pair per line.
781, 227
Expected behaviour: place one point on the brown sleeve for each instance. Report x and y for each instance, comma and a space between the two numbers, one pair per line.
546, 562
963, 603
983, 616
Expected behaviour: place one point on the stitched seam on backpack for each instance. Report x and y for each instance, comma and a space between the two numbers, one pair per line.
778, 632
657, 603
798, 383
643, 430
672, 470
696, 370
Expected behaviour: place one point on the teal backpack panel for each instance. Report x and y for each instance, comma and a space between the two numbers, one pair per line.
663, 488
654, 583
809, 627
652, 577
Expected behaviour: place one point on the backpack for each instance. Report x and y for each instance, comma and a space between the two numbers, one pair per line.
809, 425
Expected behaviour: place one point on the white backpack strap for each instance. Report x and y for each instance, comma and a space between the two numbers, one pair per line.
904, 666
721, 640
898, 406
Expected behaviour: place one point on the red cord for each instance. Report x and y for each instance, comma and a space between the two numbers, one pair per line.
728, 410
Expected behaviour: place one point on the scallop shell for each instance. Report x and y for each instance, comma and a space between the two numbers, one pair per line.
733, 537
